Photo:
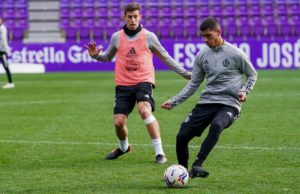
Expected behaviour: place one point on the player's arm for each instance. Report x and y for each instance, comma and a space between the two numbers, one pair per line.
108, 54
251, 77
197, 78
5, 41
156, 47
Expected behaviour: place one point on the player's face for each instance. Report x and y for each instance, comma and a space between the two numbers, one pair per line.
132, 19
211, 37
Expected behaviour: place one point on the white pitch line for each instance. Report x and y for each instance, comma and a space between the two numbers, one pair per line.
142, 145
68, 101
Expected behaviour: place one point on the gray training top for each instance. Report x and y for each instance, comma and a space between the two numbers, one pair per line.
3, 40
152, 44
223, 68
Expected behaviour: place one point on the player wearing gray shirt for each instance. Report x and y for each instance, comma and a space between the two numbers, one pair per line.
223, 65
4, 52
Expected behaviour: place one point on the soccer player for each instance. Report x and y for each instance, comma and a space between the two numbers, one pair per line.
4, 51
223, 65
134, 77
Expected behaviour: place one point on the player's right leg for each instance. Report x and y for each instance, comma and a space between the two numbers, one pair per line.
122, 133
124, 104
9, 84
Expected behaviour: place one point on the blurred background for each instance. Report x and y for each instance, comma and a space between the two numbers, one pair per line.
52, 33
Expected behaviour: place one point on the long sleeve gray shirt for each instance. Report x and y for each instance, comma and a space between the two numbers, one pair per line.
223, 68
152, 44
3, 40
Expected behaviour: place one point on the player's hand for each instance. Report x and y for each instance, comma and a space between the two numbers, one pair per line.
92, 49
167, 105
189, 76
242, 96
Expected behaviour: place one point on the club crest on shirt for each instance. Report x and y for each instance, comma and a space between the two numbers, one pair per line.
226, 63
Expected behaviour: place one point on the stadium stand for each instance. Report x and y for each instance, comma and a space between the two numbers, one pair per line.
76, 20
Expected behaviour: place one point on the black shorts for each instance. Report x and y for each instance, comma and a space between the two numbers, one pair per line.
204, 114
127, 96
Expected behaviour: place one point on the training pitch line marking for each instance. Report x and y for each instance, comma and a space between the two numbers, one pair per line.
142, 145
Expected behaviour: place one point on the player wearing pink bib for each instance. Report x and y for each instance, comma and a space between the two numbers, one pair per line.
134, 77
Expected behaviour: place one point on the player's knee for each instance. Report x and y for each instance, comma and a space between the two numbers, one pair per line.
119, 122
216, 128
182, 138
144, 112
149, 120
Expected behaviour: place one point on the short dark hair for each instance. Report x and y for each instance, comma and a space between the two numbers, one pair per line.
209, 23
132, 7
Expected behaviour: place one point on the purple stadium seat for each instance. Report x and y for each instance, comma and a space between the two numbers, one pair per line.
71, 34
8, 13
178, 27
295, 19
245, 31
267, 9
152, 10
191, 3
165, 11
165, 2
191, 10
76, 12
101, 11
65, 3
254, 10
203, 11
151, 24
113, 25
228, 10
9, 23
268, 19
178, 11
228, 20
285, 30
281, 8
88, 23
272, 30
191, 31
64, 12
21, 3
231, 31
101, 22
88, 3
282, 19
216, 10
9, 4
215, 2
258, 30
76, 3
114, 3
64, 23
114, 11
76, 23
18, 34
98, 34
164, 31
242, 9
88, 12
178, 2
84, 34
293, 9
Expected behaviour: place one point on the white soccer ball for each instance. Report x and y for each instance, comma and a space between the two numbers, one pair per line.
176, 176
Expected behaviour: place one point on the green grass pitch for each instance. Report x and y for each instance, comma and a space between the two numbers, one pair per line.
56, 128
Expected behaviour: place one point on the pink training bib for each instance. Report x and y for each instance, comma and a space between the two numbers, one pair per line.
134, 61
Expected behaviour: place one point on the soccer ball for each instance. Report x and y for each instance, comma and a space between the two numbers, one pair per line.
176, 176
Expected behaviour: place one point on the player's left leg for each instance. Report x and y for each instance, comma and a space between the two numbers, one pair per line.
146, 106
9, 84
223, 119
152, 125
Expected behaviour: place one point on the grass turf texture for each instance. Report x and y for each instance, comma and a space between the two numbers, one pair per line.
55, 130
